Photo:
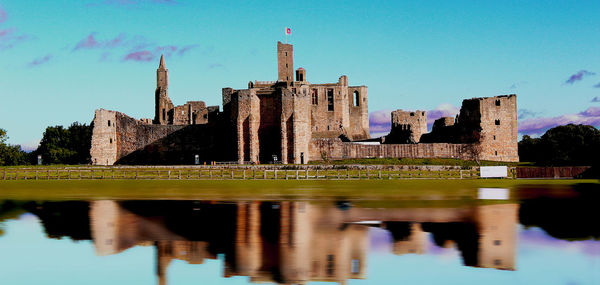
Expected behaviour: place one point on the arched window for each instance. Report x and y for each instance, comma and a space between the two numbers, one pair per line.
356, 98
315, 97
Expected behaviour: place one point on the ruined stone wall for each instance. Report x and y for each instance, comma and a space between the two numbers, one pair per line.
133, 135
489, 123
442, 123
345, 118
191, 113
335, 149
359, 112
407, 126
245, 120
129, 141
499, 138
104, 138
296, 123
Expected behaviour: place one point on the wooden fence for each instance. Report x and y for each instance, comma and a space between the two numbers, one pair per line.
182, 173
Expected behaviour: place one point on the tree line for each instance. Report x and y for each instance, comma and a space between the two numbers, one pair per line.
570, 145
59, 145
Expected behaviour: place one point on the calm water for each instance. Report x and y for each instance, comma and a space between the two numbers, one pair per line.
537, 236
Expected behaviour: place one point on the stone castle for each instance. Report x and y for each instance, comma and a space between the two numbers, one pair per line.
292, 121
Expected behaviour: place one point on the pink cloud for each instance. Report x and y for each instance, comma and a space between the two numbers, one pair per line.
8, 36
2, 15
6, 32
133, 2
538, 126
380, 122
90, 42
443, 110
138, 48
40, 60
578, 76
185, 49
143, 55
154, 54
87, 43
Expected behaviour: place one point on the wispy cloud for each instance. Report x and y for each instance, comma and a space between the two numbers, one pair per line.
2, 15
151, 54
595, 99
526, 113
143, 55
518, 84
129, 3
597, 85
443, 110
380, 122
578, 76
129, 48
40, 60
185, 49
537, 126
9, 37
120, 41
215, 65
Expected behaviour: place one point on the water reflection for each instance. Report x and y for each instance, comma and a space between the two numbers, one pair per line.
283, 242
296, 242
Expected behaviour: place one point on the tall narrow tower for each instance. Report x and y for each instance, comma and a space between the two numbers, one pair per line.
163, 103
285, 62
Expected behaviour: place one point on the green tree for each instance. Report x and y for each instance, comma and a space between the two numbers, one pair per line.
11, 154
66, 146
563, 145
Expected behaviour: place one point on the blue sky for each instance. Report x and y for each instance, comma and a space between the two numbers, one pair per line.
61, 60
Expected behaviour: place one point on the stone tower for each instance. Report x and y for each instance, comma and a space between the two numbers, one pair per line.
163, 104
408, 126
285, 62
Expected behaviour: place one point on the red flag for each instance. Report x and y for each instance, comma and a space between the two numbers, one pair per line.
288, 31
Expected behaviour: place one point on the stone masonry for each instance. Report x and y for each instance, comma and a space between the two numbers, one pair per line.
294, 121
407, 126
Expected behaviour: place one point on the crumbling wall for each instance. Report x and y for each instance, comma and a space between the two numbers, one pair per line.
335, 149
120, 139
104, 138
407, 126
489, 123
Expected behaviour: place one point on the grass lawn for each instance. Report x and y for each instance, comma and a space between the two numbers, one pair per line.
261, 189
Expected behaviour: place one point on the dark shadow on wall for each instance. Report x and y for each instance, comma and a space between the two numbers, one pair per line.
209, 142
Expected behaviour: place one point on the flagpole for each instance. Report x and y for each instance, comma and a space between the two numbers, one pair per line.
285, 35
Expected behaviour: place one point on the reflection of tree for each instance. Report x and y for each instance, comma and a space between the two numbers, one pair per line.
70, 218
570, 219
9, 210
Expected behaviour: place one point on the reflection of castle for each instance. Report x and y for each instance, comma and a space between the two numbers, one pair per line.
487, 240
284, 242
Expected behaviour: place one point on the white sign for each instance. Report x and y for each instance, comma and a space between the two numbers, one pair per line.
493, 171
492, 194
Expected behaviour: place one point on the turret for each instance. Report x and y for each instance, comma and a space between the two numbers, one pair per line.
285, 62
163, 105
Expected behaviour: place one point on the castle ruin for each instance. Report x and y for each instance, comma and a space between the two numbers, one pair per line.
293, 121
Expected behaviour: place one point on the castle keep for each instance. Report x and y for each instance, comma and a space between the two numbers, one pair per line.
294, 121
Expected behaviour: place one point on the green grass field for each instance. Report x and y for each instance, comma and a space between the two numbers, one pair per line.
261, 189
